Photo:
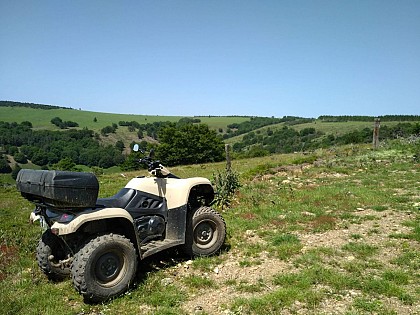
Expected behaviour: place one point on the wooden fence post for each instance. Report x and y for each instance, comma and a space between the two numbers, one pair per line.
376, 133
228, 161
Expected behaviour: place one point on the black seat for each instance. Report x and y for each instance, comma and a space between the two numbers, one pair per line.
119, 200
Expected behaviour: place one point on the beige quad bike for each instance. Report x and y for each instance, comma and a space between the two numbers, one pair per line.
99, 242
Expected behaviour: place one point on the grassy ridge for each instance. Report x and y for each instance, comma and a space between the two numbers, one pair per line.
41, 119
334, 128
339, 236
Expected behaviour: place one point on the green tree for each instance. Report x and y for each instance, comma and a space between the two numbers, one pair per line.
20, 158
40, 158
4, 166
120, 145
189, 144
12, 150
65, 164
132, 163
15, 172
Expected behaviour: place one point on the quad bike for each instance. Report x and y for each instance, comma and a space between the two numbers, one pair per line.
99, 242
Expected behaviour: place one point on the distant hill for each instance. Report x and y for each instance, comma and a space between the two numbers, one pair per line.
108, 128
264, 135
40, 116
30, 105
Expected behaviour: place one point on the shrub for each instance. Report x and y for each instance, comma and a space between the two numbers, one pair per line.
227, 183
4, 166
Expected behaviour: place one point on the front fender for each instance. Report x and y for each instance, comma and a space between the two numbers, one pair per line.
73, 226
178, 190
175, 190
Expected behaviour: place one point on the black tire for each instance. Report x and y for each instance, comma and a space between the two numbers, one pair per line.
206, 232
49, 252
104, 267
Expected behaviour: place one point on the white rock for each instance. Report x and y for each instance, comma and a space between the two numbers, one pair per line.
166, 281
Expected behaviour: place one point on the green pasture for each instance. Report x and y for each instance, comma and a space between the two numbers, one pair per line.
41, 119
340, 235
341, 128
334, 128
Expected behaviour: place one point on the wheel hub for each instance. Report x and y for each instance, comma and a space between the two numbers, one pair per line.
108, 267
205, 234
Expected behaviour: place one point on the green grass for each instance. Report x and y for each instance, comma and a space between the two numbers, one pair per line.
285, 245
275, 302
334, 128
246, 287
272, 218
198, 282
363, 305
41, 119
206, 264
302, 286
340, 128
360, 250
409, 258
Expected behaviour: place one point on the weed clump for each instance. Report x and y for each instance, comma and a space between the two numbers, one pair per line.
226, 183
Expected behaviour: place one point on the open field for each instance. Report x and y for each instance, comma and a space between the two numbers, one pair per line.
334, 128
41, 119
337, 236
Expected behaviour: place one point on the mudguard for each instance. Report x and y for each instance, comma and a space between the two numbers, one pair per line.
107, 213
176, 190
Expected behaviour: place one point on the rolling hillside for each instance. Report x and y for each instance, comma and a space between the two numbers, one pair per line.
34, 134
41, 118
335, 128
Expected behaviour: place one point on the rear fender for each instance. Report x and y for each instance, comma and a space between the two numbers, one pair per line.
62, 229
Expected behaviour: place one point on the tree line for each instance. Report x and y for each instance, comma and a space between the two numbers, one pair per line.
344, 118
254, 123
149, 129
30, 105
184, 143
63, 124
45, 147
287, 140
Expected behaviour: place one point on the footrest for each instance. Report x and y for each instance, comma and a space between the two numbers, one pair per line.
157, 246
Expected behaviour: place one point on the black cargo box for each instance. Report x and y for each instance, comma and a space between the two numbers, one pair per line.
59, 189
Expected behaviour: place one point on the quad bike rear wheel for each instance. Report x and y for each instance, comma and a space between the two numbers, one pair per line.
206, 232
104, 268
53, 257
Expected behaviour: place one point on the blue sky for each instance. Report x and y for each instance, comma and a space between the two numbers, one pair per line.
263, 58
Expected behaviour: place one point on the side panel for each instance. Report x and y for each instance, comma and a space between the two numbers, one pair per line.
177, 222
146, 204
107, 213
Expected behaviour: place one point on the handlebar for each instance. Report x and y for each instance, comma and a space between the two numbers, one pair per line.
153, 166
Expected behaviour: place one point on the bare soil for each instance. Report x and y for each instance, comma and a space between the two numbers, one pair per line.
375, 231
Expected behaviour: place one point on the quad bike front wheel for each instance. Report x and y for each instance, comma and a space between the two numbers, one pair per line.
53, 257
206, 232
104, 267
